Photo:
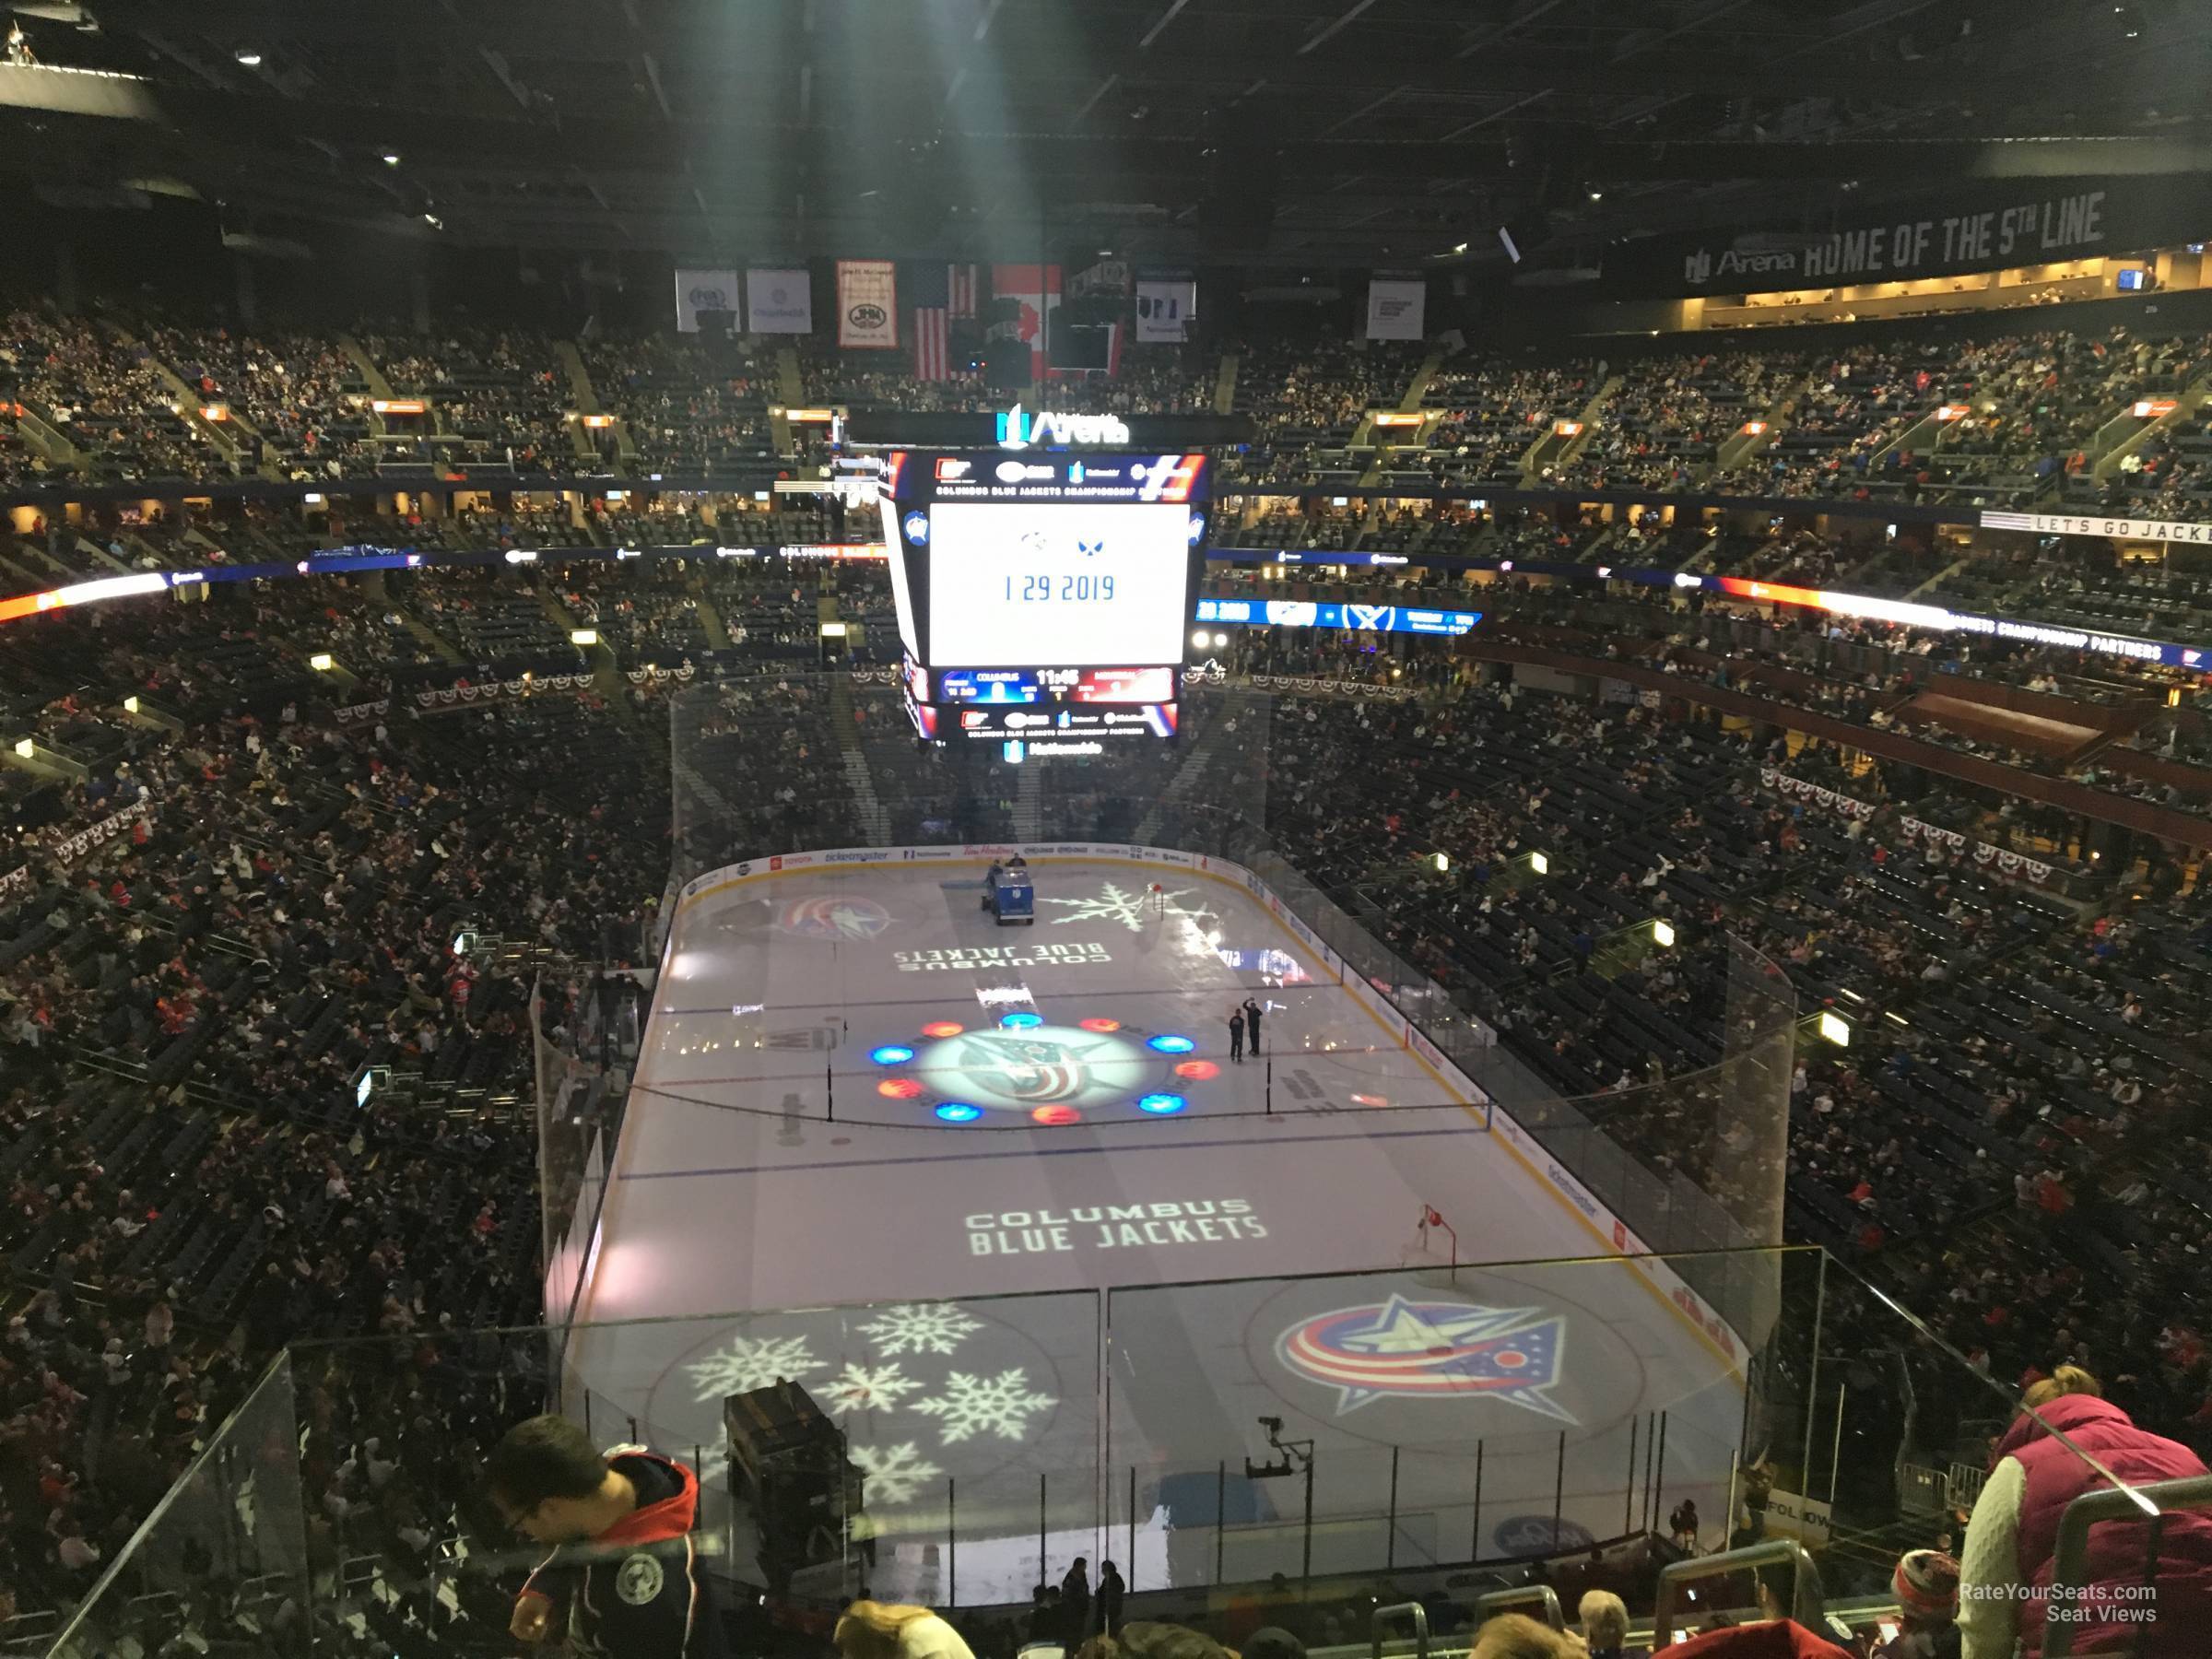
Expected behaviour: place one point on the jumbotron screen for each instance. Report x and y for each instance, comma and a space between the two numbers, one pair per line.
1021, 560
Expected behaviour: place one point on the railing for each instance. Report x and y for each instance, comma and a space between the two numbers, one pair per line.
1414, 1609
2073, 1598
1505, 1601
1805, 1586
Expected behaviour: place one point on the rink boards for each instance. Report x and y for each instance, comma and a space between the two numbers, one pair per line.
783, 1150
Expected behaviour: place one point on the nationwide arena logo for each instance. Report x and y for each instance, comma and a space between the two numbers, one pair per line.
1019, 429
1430, 1350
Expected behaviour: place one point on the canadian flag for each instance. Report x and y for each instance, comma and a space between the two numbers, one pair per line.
1037, 289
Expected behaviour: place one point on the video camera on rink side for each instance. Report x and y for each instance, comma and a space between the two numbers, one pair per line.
789, 1458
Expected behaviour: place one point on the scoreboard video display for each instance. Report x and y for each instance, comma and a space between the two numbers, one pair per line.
1053, 583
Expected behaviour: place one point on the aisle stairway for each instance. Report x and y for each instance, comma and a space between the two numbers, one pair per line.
1029, 805
873, 819
1198, 764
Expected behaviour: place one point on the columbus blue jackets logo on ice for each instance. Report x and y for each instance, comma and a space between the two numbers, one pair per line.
833, 919
1429, 1351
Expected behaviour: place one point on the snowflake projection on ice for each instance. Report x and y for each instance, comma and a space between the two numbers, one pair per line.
1042, 1065
1000, 1406
1117, 905
750, 1362
920, 1328
892, 1474
867, 1388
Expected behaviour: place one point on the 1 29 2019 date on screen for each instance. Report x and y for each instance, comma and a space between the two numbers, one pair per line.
1072, 590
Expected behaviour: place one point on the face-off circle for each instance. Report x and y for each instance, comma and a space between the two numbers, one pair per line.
1052, 1074
1022, 1070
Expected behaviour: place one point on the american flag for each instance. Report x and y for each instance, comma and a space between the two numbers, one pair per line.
941, 293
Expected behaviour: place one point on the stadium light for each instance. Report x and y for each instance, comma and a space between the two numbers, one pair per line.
1539, 863
1444, 863
25, 748
1663, 934
248, 58
833, 631
391, 157
1835, 1029
584, 636
322, 662
130, 704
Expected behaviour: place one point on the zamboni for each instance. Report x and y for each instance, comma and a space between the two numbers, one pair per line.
1008, 895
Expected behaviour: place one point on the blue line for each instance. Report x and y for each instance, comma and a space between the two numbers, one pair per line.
865, 1163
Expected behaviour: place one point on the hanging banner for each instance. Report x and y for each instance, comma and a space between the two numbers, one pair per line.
1396, 309
1107, 279
1834, 800
698, 291
1980, 226
1036, 290
867, 304
1167, 305
778, 302
2097, 523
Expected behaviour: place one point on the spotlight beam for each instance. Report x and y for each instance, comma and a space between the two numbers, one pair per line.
1350, 18
1165, 17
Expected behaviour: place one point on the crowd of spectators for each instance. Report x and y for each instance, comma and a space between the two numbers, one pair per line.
104, 397
691, 404
2079, 415
1663, 428
184, 1008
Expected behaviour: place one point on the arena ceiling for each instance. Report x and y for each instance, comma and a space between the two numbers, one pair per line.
1273, 131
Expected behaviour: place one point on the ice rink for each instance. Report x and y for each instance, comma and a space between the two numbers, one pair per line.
858, 1089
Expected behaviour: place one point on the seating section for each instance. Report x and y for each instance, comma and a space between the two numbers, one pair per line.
183, 1013
2088, 417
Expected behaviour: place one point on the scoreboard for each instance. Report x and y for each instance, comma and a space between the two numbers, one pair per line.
1045, 594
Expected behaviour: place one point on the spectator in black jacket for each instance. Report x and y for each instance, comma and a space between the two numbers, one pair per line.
622, 1577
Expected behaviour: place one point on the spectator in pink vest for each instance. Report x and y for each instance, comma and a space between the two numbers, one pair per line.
2005, 1571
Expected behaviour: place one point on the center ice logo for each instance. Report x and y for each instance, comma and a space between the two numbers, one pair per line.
1429, 1351
1049, 1066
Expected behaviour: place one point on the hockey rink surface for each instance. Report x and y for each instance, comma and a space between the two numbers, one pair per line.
928, 1166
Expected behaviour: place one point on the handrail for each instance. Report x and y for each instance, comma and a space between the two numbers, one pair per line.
1805, 1589
1420, 1628
1501, 1601
2069, 1561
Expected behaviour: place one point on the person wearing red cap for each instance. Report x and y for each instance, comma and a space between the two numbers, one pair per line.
1926, 1586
